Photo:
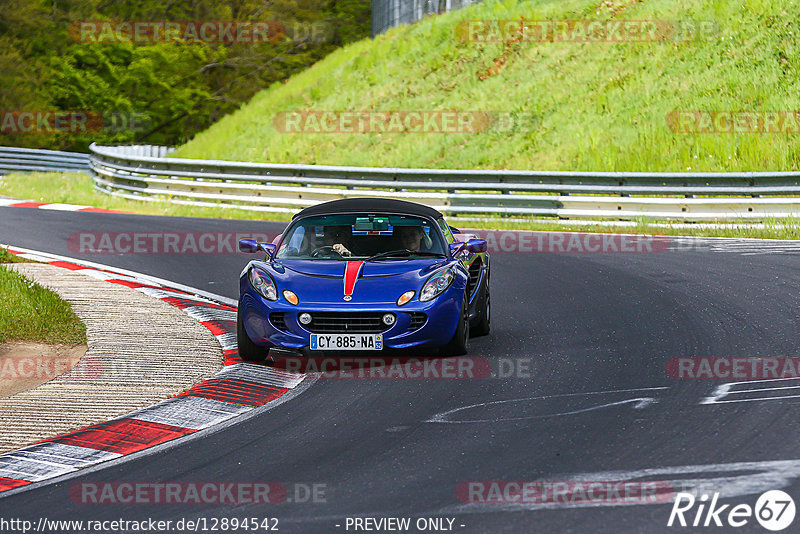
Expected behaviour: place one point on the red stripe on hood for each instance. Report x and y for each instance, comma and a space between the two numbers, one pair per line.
351, 271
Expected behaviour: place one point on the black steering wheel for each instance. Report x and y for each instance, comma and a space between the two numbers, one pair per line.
318, 250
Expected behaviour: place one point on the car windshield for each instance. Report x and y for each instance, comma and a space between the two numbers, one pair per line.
361, 236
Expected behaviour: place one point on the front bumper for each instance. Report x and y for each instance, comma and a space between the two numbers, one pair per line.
440, 326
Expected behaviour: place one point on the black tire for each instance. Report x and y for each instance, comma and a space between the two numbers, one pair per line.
483, 326
458, 345
249, 351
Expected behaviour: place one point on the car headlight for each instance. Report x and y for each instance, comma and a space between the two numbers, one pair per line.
437, 283
263, 283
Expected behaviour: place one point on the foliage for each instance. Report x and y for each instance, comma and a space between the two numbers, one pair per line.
157, 92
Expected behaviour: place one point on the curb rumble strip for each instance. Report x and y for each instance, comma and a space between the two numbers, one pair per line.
13, 203
236, 390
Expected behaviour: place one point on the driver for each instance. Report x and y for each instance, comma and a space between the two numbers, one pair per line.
339, 238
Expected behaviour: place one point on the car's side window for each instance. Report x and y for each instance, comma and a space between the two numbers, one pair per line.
297, 238
448, 235
296, 244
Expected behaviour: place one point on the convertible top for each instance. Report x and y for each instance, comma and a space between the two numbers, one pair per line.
377, 205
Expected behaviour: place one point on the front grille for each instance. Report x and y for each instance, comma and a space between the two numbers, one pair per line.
417, 320
347, 322
278, 320
474, 276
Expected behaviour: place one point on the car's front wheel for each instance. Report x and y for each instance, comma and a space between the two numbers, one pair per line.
483, 326
249, 351
458, 345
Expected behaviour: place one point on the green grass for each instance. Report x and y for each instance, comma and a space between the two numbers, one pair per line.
77, 189
603, 106
29, 312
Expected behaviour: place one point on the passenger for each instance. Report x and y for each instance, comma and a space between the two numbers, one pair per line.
413, 238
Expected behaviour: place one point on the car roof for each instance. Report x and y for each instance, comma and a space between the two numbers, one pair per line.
377, 205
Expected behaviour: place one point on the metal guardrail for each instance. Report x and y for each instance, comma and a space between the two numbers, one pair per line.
144, 173
30, 159
389, 13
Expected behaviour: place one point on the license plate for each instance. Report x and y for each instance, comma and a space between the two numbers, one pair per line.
346, 342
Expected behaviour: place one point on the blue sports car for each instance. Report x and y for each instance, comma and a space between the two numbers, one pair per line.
364, 274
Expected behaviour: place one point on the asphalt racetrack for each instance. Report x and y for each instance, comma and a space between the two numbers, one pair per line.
588, 339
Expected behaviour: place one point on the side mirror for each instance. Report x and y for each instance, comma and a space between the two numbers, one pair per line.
248, 245
476, 245
252, 246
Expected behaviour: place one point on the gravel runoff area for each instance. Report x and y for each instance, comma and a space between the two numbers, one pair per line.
140, 351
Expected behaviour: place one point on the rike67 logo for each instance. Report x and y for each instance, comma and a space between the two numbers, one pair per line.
774, 510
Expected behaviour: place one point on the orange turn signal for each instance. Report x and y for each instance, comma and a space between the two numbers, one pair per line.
405, 297
290, 297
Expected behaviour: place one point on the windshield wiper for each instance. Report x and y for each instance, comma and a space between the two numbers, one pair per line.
403, 252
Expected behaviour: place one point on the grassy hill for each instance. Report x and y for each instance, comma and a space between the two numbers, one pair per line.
600, 105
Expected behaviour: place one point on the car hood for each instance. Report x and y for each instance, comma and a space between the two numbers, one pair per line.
324, 282
370, 268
